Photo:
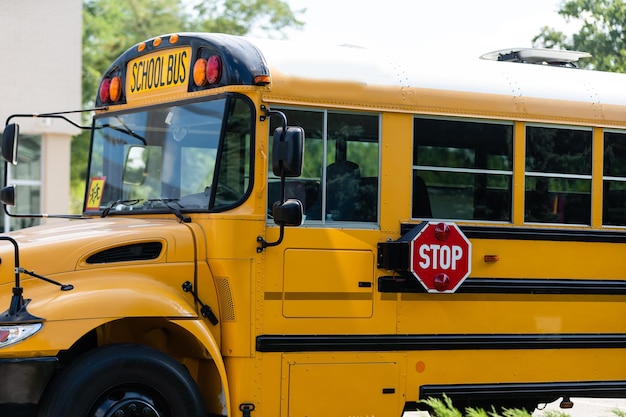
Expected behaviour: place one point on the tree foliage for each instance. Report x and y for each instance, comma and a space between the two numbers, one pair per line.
112, 26
602, 32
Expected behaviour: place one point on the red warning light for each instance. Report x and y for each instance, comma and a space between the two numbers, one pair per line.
442, 231
214, 69
104, 90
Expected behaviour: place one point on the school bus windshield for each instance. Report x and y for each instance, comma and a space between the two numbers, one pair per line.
168, 156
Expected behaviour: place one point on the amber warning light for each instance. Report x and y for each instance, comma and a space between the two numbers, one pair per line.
110, 90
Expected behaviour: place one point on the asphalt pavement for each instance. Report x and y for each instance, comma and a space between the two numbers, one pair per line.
583, 407
588, 407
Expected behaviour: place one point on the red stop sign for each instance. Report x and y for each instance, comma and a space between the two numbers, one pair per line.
441, 257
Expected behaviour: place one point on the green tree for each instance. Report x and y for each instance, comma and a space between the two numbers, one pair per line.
112, 26
602, 33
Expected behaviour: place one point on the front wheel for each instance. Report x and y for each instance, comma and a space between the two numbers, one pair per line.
123, 380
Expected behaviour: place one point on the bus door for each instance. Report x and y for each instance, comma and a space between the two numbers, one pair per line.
328, 264
325, 269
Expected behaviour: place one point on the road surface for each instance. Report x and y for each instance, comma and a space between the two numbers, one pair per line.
588, 407
583, 407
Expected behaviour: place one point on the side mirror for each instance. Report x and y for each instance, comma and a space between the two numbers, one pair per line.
7, 195
288, 151
9, 143
288, 213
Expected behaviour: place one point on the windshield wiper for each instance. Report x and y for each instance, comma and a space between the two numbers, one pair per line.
123, 129
164, 201
172, 209
114, 204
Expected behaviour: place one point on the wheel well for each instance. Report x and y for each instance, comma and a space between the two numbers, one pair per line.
160, 334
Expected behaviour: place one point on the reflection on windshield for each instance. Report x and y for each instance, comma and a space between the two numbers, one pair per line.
165, 158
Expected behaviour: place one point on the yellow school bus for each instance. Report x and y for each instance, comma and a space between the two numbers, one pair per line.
279, 229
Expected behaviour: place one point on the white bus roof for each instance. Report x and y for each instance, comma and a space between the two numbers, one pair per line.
317, 61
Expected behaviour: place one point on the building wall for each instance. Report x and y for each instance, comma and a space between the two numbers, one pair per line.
40, 72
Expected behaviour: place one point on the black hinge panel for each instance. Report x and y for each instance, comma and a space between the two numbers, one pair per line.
396, 255
393, 255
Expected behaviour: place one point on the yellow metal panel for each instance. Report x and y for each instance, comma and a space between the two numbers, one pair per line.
596, 180
204, 336
114, 292
511, 366
519, 161
548, 259
396, 173
335, 283
234, 288
352, 95
53, 337
491, 314
343, 389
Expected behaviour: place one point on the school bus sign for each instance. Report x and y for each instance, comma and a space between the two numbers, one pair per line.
440, 257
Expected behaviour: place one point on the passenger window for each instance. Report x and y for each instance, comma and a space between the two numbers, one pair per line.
340, 175
558, 175
462, 170
614, 179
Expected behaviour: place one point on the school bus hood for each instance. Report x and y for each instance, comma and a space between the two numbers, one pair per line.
92, 243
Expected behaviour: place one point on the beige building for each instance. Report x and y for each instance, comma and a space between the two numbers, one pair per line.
40, 72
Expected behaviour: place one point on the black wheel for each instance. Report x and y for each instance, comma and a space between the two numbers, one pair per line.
123, 380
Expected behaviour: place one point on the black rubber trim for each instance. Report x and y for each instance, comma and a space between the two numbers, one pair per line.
535, 233
408, 284
381, 342
543, 391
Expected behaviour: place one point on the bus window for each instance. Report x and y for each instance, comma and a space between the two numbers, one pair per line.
340, 177
462, 170
558, 175
305, 188
352, 167
614, 183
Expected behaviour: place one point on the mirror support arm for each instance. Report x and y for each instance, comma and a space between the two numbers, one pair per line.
262, 242
265, 244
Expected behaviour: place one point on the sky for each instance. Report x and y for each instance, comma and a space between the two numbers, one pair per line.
461, 28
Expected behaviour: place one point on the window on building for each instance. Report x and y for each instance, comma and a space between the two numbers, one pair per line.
462, 170
558, 175
26, 176
340, 177
614, 179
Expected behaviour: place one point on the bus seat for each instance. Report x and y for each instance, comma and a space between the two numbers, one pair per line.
342, 189
305, 190
295, 189
421, 200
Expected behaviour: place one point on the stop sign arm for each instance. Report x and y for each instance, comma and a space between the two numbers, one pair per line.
438, 256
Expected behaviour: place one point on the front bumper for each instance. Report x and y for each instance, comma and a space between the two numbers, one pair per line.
23, 380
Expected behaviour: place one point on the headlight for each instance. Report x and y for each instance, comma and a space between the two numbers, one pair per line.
12, 334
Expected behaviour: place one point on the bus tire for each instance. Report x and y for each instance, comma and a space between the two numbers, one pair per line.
123, 379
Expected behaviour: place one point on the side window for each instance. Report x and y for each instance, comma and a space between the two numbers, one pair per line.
340, 175
558, 175
614, 179
307, 187
462, 170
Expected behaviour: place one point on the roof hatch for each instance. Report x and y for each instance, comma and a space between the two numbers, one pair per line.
553, 57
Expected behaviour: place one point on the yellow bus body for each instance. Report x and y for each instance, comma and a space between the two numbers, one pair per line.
314, 326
